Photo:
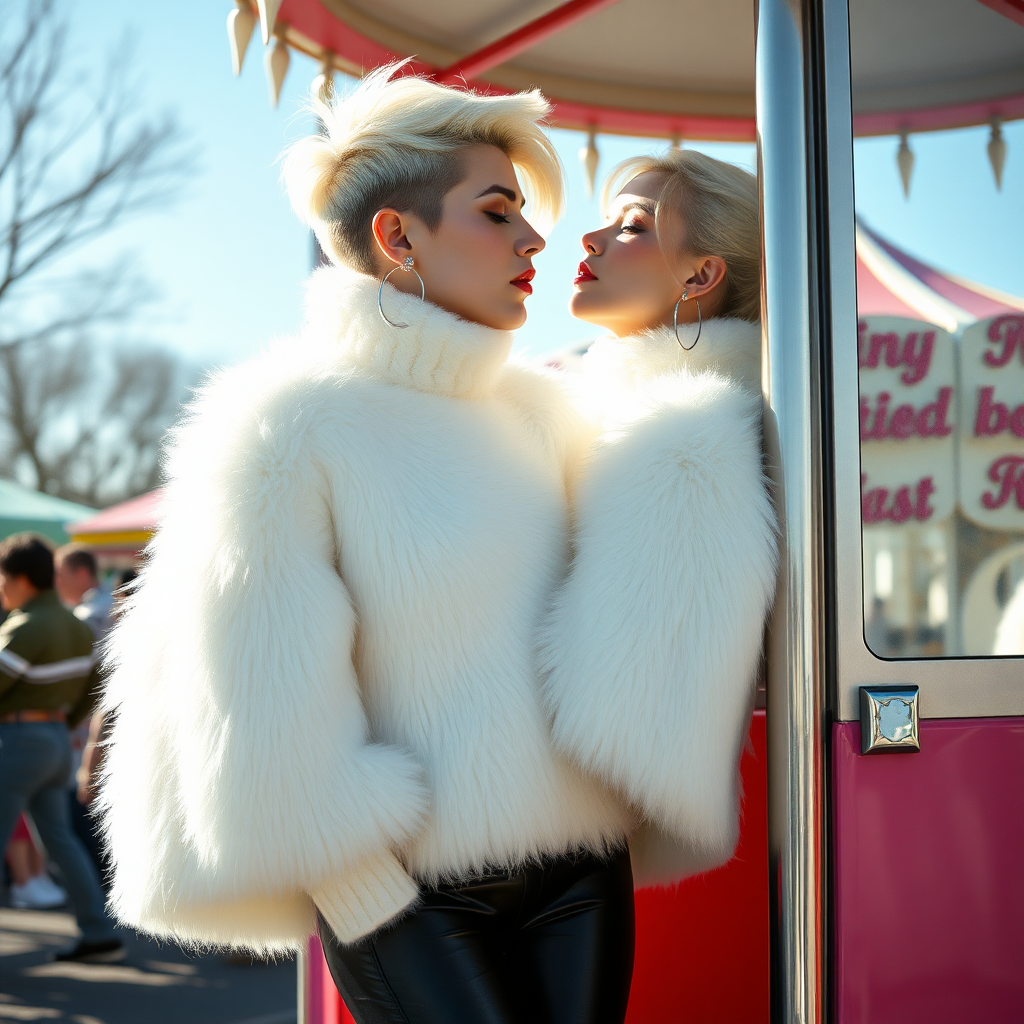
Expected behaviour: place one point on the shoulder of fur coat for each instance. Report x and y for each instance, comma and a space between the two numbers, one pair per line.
652, 646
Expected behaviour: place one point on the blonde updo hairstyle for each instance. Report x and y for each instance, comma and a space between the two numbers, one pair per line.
718, 205
398, 142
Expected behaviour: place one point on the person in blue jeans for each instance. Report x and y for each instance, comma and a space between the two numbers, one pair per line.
48, 682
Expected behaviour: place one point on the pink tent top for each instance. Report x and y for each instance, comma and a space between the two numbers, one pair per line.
138, 515
891, 282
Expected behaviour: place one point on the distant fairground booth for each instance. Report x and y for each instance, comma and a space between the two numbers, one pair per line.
118, 535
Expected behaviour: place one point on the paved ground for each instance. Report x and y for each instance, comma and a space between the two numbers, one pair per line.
156, 984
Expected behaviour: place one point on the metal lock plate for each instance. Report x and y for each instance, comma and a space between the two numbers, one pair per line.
889, 719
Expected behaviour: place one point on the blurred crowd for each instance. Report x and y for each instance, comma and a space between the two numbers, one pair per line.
56, 613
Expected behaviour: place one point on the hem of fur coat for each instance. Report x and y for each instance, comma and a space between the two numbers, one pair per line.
266, 925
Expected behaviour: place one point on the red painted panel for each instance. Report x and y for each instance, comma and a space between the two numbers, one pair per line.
929, 875
701, 949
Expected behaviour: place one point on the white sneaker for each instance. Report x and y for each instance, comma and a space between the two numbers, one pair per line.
39, 893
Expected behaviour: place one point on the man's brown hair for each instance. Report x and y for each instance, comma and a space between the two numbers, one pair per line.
75, 557
28, 555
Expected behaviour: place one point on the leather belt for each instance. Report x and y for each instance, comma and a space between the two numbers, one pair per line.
33, 715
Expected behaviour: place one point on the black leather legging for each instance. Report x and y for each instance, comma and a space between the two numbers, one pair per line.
550, 943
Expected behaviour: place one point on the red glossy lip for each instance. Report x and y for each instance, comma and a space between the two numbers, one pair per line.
584, 274
524, 279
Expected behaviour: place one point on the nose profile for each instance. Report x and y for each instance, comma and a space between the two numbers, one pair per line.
591, 243
531, 243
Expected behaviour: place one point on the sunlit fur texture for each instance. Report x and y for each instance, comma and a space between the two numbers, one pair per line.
653, 644
326, 684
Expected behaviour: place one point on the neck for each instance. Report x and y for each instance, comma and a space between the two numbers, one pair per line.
438, 353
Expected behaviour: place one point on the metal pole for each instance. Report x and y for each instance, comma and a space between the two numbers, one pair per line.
792, 393
301, 983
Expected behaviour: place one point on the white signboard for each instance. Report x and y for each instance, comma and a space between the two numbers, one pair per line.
992, 422
907, 421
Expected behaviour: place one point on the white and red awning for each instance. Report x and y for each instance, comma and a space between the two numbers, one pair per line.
891, 282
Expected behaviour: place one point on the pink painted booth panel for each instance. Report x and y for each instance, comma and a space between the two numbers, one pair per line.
929, 876
701, 948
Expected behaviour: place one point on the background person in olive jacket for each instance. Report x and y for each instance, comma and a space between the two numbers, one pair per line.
48, 681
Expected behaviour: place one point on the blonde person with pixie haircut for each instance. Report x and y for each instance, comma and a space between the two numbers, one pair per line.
328, 706
653, 645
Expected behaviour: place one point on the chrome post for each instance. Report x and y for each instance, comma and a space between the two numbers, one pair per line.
792, 423
301, 983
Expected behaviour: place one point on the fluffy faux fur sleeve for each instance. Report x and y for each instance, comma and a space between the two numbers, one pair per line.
240, 784
654, 639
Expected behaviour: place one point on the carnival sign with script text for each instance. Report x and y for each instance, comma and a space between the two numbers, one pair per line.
907, 421
992, 422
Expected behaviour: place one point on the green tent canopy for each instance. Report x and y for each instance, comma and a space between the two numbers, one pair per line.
23, 509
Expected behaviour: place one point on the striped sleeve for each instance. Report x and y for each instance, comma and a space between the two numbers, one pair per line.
17, 648
23, 644
17, 668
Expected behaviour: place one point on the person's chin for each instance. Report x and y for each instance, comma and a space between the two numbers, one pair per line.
504, 318
516, 317
584, 308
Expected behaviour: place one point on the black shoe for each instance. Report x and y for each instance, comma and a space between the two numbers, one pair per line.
107, 951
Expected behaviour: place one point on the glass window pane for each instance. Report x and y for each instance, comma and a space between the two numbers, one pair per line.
939, 176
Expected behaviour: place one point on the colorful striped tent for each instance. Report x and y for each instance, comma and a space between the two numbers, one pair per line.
121, 529
891, 282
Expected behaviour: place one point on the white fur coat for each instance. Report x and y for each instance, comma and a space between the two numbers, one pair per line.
326, 688
653, 644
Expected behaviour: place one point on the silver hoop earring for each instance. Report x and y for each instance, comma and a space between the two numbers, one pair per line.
675, 323
406, 265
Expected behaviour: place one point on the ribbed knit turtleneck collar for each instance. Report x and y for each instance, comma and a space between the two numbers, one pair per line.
438, 353
727, 346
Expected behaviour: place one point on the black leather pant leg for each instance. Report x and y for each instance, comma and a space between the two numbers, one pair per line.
578, 941
444, 963
547, 944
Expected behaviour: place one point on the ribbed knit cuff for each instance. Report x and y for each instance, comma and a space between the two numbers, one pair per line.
362, 899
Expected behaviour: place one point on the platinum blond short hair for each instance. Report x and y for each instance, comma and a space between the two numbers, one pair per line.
718, 205
398, 142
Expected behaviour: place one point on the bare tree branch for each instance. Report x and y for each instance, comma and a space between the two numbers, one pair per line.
81, 412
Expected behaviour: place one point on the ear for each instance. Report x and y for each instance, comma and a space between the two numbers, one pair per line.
389, 232
710, 273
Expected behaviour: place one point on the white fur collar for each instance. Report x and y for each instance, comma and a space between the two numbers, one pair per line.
727, 346
438, 352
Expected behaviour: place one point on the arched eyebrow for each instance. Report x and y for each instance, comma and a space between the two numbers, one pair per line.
502, 191
647, 208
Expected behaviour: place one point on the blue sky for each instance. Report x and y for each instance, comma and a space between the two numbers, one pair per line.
229, 257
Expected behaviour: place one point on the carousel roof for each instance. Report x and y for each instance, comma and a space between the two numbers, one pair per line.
681, 68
